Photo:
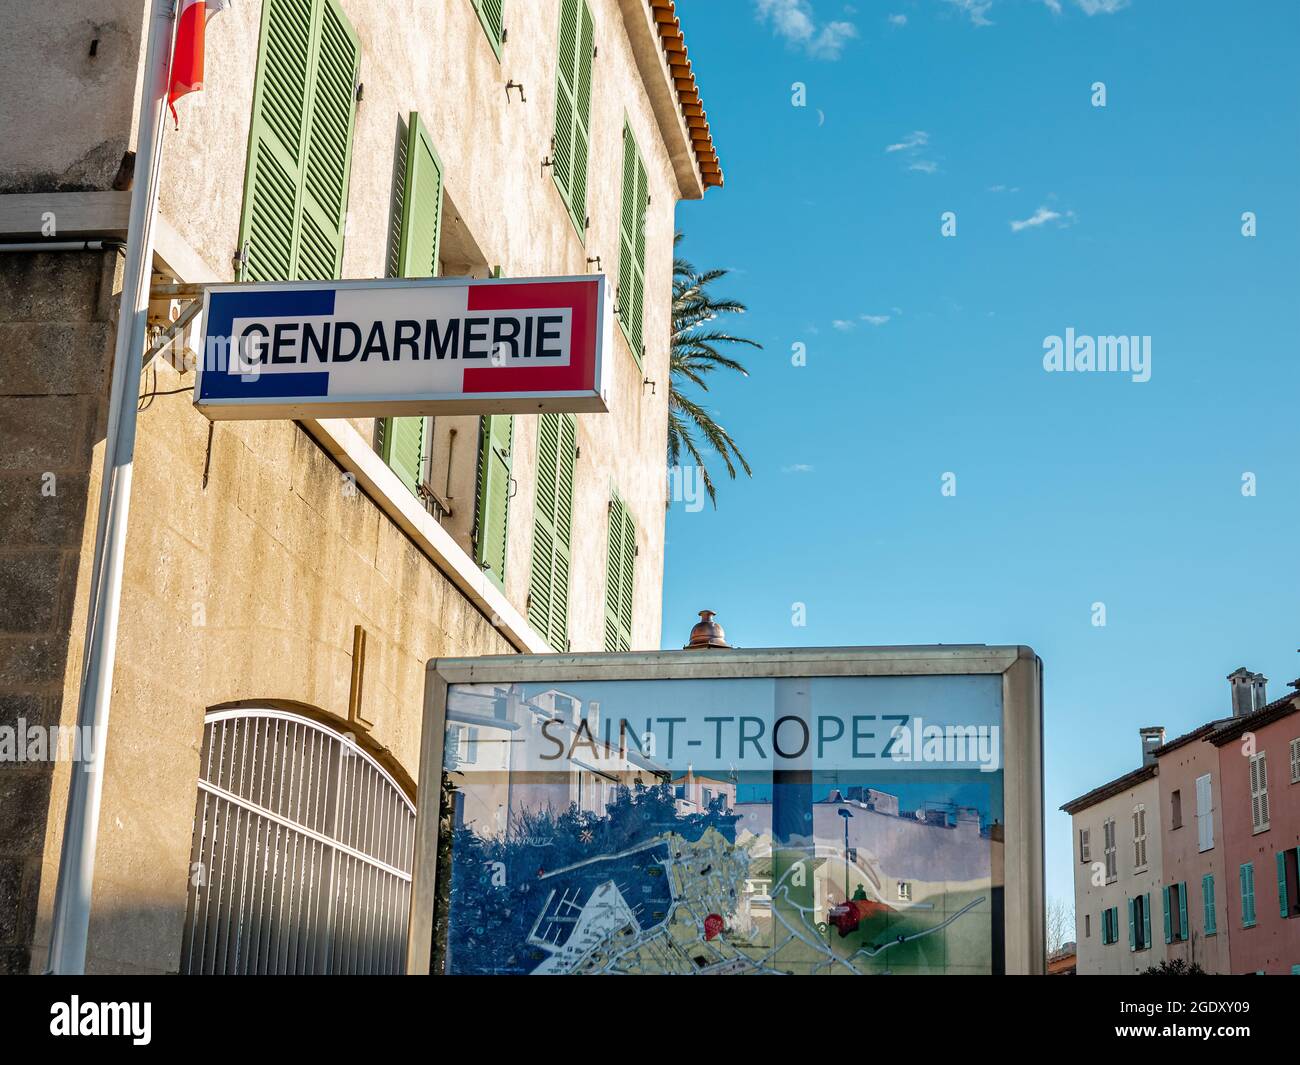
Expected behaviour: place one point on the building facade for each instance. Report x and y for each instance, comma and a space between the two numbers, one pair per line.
1219, 812
1259, 763
1118, 872
1194, 904
285, 581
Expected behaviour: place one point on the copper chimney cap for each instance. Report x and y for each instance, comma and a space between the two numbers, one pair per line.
706, 633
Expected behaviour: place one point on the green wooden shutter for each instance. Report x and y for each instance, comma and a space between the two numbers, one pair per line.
548, 592
495, 488
631, 254
573, 108
1207, 893
403, 441
1281, 883
1247, 873
1146, 919
300, 142
619, 572
1132, 924
421, 204
401, 445
1169, 924
1183, 931
489, 13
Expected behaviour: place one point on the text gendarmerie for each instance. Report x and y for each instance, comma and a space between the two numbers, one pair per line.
496, 337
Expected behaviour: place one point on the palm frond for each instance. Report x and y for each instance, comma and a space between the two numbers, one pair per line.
694, 354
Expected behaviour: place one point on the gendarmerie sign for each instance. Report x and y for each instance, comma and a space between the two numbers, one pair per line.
403, 346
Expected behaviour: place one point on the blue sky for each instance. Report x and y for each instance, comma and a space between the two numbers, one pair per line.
1071, 488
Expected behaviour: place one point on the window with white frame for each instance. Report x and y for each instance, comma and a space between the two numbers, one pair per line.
1109, 849
1204, 814
1258, 793
1085, 849
1139, 836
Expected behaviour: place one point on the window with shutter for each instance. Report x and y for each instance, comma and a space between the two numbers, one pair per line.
620, 567
1295, 761
570, 143
631, 254
1207, 895
1204, 814
300, 143
1247, 877
1258, 793
548, 590
495, 488
1085, 851
489, 13
1288, 881
404, 441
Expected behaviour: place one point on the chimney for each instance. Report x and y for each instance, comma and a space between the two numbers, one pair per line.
1258, 689
1152, 737
1241, 682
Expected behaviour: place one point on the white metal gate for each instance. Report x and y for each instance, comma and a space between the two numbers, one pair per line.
302, 852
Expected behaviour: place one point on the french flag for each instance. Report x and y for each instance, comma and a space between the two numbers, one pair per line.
187, 54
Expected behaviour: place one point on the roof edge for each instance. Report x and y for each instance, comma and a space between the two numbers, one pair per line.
1109, 789
660, 51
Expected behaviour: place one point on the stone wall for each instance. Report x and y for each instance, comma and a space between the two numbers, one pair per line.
56, 342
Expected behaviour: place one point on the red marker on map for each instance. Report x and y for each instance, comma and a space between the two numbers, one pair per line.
712, 926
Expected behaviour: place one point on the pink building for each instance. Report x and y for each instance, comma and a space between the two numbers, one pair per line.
1193, 901
1259, 779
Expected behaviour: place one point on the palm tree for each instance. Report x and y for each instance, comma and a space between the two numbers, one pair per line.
693, 356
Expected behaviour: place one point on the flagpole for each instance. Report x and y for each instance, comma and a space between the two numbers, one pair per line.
71, 921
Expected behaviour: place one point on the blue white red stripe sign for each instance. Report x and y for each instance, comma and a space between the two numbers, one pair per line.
403, 346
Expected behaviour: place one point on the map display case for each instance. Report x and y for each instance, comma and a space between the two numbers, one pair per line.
730, 812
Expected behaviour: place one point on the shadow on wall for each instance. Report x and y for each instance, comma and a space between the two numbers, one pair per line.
56, 321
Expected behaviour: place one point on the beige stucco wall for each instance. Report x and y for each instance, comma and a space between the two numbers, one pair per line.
250, 558
1090, 899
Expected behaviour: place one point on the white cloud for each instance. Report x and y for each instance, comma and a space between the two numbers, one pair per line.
897, 20
831, 39
795, 21
1004, 188
798, 467
874, 319
1041, 217
1054, 6
917, 139
976, 9
911, 146
844, 325
1101, 7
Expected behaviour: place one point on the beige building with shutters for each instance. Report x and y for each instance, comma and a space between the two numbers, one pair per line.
287, 581
1118, 870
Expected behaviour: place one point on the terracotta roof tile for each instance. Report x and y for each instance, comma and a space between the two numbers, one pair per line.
688, 96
